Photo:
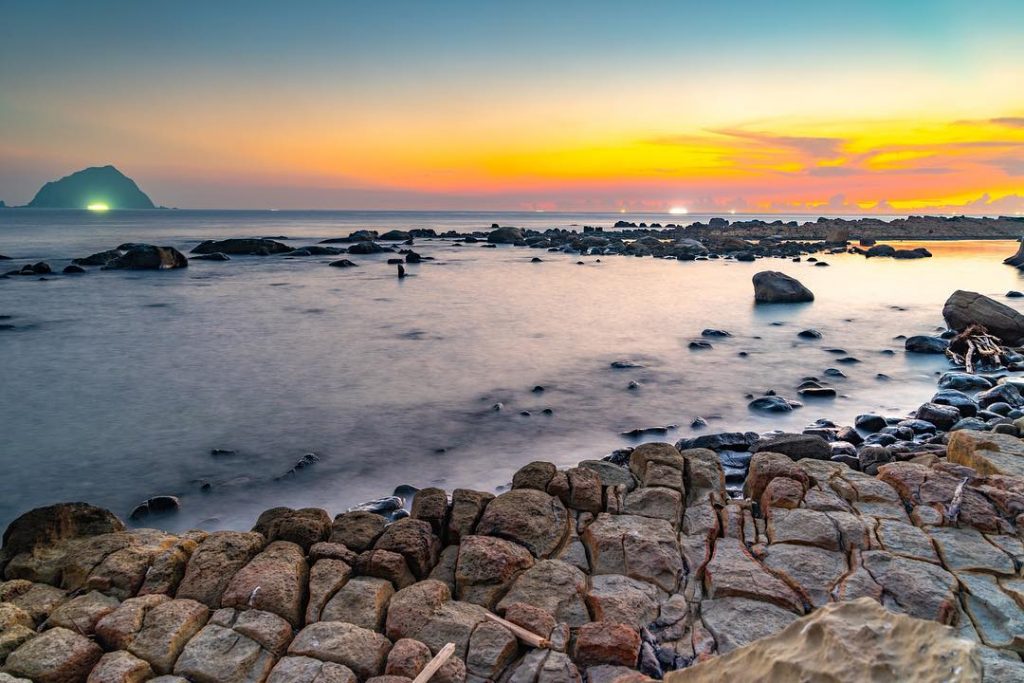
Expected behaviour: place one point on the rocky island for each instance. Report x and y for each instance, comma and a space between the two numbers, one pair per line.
97, 186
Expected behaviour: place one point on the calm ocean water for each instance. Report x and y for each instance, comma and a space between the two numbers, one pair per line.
116, 385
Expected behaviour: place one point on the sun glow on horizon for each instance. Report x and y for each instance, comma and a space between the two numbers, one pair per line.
678, 210
98, 206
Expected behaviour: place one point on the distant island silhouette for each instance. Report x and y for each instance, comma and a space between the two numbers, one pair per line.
95, 187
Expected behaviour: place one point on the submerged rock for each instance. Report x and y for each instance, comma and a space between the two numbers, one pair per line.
242, 247
148, 257
774, 287
924, 344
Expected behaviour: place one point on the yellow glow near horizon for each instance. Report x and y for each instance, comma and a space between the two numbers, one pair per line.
678, 211
98, 206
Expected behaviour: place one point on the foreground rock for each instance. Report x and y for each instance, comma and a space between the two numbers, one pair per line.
848, 643
964, 308
242, 247
148, 257
771, 287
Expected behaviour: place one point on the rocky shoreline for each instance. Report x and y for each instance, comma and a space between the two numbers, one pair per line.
618, 570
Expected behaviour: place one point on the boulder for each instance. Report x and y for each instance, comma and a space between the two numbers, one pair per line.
242, 247
414, 540
639, 547
367, 247
967, 308
309, 670
987, 453
214, 563
47, 525
120, 667
303, 527
773, 287
843, 642
361, 601
553, 586
486, 568
766, 466
796, 446
505, 235
733, 572
466, 509
735, 622
925, 344
361, 650
531, 518
274, 581
357, 529
605, 642
56, 656
100, 258
148, 257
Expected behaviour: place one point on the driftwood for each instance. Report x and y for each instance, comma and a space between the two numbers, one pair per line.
528, 637
442, 656
953, 509
975, 348
1017, 259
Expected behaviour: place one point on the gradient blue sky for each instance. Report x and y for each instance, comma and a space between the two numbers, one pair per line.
521, 105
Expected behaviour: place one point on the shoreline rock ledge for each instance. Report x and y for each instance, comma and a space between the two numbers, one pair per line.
630, 572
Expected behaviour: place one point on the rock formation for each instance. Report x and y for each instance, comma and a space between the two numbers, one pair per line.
96, 185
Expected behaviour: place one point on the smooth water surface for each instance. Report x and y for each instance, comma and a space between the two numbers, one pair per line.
117, 385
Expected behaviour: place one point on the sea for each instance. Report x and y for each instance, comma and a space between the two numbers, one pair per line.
210, 383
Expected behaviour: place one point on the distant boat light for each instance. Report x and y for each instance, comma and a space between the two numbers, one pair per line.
678, 210
98, 206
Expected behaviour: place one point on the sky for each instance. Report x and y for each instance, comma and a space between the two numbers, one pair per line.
787, 106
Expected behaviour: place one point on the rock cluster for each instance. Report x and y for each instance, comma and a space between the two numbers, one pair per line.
628, 571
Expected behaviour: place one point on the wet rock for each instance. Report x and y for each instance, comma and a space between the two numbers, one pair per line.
796, 446
942, 416
965, 308
775, 287
505, 235
215, 562
148, 257
155, 506
730, 441
343, 263
605, 642
361, 650
274, 581
100, 258
924, 344
531, 518
486, 568
809, 334
56, 656
771, 404
964, 381
215, 256
242, 247
73, 270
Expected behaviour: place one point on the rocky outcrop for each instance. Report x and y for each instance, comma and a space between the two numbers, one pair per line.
91, 186
148, 257
242, 247
772, 287
963, 309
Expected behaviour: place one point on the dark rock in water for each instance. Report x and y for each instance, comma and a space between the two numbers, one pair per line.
834, 372
548, 411
838, 352
619, 457
395, 236
96, 185
972, 424
538, 389
73, 270
156, 505
343, 263
505, 235
41, 268
100, 258
223, 451
4, 258
821, 264
942, 416
818, 392
771, 404
413, 257
870, 423
999, 408
882, 377
809, 334
723, 441
641, 431
1014, 294
849, 435
966, 308
633, 385
357, 236
966, 405
881, 250
923, 344
698, 423
316, 250
699, 346
401, 271
367, 247
307, 460
774, 287
872, 456
215, 256
395, 261
920, 252
715, 333
380, 506
1005, 393
238, 246
148, 257
964, 381
848, 360
795, 446
536, 259
625, 364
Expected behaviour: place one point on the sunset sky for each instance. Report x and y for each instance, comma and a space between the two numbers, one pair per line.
890, 106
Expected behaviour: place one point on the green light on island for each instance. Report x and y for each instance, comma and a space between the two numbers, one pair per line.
98, 206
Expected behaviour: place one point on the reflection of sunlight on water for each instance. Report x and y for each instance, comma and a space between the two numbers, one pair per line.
393, 384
